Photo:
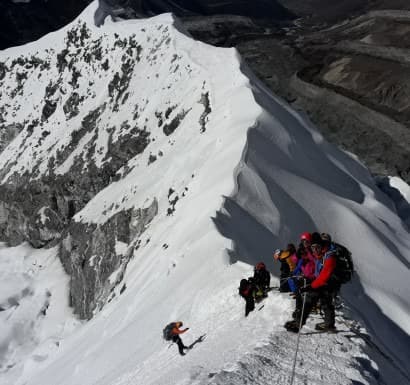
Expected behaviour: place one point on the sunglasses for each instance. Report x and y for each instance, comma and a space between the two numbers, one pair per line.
316, 247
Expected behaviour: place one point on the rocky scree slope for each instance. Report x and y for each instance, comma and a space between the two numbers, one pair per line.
361, 69
80, 109
350, 78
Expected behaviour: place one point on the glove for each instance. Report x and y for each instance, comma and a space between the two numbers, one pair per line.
305, 289
276, 254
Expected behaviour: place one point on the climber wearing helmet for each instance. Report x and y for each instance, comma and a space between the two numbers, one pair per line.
262, 280
304, 245
288, 260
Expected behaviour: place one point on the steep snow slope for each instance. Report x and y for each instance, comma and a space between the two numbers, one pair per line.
235, 174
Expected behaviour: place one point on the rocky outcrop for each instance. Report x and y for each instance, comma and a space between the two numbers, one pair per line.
96, 256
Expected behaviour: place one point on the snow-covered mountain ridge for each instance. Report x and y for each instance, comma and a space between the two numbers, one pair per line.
158, 168
78, 107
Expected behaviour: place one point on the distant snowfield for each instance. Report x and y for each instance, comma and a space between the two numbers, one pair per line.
253, 181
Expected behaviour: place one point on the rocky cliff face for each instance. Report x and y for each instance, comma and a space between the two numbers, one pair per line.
80, 111
96, 257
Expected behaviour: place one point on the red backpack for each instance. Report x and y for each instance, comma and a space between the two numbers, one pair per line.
244, 288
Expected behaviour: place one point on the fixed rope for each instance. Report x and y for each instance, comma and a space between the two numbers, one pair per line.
298, 338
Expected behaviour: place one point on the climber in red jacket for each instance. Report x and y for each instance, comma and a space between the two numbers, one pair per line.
175, 332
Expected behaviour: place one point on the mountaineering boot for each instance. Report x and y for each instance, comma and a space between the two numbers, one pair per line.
338, 303
316, 309
292, 326
296, 314
324, 327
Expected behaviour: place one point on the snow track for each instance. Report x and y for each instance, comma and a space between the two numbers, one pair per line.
323, 359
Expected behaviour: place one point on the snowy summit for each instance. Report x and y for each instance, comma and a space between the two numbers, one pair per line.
143, 175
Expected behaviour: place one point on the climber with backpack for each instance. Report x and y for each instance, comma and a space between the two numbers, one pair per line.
288, 261
321, 289
172, 332
261, 278
344, 267
305, 267
247, 289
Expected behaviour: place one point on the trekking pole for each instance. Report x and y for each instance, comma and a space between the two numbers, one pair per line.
291, 276
298, 338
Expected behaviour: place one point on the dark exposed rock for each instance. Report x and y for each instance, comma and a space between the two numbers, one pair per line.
70, 107
2, 114
170, 127
46, 227
62, 60
8, 133
32, 126
151, 159
127, 147
88, 124
207, 110
51, 90
20, 77
75, 75
28, 216
48, 109
158, 115
3, 70
88, 245
173, 198
168, 111
119, 84
105, 65
77, 36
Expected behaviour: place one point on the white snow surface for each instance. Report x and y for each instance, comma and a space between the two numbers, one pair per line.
401, 186
258, 176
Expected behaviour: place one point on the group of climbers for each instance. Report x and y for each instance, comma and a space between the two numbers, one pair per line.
313, 273
295, 263
322, 267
